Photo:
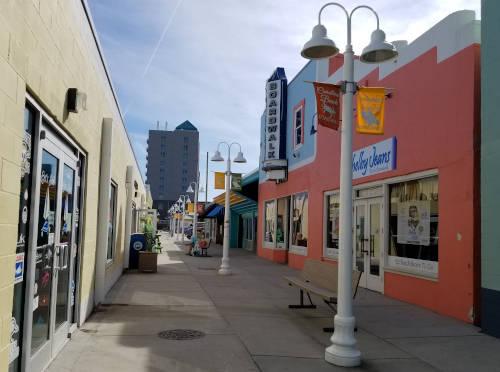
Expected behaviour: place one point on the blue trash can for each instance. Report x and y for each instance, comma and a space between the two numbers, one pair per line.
137, 244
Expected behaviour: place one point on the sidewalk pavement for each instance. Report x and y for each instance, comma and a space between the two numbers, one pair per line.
249, 327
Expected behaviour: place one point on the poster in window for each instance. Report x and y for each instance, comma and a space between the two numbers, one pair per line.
414, 222
334, 220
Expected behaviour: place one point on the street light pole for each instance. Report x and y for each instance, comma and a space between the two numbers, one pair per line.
225, 268
195, 212
343, 351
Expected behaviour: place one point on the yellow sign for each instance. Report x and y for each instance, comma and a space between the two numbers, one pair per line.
220, 181
370, 111
190, 207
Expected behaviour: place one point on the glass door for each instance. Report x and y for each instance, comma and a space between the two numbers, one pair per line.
368, 242
53, 237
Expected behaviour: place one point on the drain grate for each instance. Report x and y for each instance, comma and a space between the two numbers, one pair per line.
181, 334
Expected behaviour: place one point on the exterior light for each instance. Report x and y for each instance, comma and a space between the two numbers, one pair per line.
240, 158
202, 189
188, 200
319, 46
217, 156
378, 50
190, 189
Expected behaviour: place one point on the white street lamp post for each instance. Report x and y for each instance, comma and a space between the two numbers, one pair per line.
195, 215
183, 199
343, 351
224, 268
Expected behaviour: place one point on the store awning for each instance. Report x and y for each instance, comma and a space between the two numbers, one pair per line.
239, 203
215, 212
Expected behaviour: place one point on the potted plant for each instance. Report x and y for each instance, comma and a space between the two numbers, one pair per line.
148, 259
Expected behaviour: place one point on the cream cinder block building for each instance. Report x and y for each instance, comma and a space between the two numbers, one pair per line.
69, 180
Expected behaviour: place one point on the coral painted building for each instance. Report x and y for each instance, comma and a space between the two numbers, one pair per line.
415, 212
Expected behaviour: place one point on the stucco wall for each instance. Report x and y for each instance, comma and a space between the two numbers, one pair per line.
47, 47
433, 113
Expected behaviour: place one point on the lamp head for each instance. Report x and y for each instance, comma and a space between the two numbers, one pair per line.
240, 158
190, 189
217, 156
201, 189
188, 200
378, 50
319, 46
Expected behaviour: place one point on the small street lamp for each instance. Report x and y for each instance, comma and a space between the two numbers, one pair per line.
343, 351
183, 199
195, 216
224, 268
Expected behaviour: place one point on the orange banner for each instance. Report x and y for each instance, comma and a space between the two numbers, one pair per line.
370, 110
220, 181
328, 104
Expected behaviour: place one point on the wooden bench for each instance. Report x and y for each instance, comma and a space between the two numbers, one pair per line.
320, 279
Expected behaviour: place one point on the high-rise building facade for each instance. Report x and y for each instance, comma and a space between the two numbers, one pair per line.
172, 164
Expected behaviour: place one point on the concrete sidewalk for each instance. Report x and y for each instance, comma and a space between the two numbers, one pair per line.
249, 327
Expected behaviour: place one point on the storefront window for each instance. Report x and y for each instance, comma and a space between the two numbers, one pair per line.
281, 221
299, 220
111, 221
332, 224
269, 218
413, 223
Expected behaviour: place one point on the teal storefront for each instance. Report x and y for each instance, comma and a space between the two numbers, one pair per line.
490, 167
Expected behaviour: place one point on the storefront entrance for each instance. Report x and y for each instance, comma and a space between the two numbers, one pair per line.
368, 241
52, 279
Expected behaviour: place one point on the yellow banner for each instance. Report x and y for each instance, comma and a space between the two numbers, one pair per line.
190, 207
220, 181
370, 110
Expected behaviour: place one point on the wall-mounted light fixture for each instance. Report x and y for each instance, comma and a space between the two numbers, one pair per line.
76, 100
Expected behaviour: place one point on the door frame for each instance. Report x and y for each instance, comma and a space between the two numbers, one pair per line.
42, 119
367, 280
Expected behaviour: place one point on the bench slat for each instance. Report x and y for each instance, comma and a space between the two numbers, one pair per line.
320, 278
311, 288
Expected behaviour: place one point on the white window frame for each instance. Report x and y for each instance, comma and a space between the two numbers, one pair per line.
328, 252
385, 183
109, 260
265, 243
297, 249
388, 266
299, 107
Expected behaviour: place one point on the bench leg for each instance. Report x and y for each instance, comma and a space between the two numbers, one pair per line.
333, 306
302, 305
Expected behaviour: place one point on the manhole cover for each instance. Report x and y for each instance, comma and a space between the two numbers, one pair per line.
181, 334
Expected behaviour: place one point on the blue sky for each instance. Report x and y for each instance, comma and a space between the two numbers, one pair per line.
211, 65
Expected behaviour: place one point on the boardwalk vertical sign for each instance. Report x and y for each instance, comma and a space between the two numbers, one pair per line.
274, 147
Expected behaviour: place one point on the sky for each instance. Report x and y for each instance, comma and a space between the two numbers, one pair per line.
207, 61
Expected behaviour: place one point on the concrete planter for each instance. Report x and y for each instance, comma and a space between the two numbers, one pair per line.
148, 262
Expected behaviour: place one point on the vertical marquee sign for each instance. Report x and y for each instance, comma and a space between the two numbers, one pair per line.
275, 163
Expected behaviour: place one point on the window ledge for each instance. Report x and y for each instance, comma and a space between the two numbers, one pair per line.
413, 275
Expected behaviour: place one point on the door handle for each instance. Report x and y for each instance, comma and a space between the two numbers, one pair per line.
62, 256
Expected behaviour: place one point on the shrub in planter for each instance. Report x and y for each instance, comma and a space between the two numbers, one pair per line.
148, 259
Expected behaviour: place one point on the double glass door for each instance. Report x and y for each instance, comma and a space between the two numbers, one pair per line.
54, 248
368, 240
